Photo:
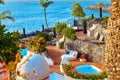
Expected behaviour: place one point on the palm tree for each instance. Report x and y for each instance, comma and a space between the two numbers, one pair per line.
100, 8
77, 11
4, 15
112, 56
45, 4
1, 2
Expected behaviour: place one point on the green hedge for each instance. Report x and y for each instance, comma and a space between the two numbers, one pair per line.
69, 33
70, 71
59, 27
45, 35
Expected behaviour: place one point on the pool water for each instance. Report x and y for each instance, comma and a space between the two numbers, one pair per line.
23, 52
88, 69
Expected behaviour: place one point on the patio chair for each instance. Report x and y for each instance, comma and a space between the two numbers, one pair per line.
70, 55
98, 41
95, 37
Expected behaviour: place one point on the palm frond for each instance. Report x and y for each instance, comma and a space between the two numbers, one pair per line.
50, 2
6, 12
9, 17
1, 2
100, 4
45, 3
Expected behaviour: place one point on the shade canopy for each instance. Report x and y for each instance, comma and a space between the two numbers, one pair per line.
34, 67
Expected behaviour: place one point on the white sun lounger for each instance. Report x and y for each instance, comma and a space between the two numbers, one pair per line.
98, 41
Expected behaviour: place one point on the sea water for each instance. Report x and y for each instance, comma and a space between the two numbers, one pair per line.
29, 14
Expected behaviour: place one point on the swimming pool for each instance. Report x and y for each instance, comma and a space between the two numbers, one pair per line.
23, 52
88, 69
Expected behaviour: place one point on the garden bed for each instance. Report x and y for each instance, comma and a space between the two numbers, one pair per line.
71, 74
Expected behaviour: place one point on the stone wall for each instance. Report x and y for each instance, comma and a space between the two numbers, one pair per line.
100, 29
95, 52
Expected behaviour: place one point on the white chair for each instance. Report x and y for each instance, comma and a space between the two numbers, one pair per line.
70, 55
92, 37
98, 41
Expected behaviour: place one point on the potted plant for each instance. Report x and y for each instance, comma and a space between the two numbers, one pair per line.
38, 45
83, 57
41, 45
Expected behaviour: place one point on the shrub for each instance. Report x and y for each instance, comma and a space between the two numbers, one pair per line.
69, 33
59, 27
8, 46
104, 19
70, 71
37, 44
46, 36
73, 37
85, 19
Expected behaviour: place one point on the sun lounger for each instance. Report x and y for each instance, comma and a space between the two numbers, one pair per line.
70, 55
98, 41
95, 37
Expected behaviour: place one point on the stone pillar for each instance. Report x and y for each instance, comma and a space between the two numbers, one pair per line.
112, 56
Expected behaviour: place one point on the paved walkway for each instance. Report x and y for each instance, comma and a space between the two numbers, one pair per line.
55, 54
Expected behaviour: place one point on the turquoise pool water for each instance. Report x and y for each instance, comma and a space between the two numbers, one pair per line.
23, 52
88, 69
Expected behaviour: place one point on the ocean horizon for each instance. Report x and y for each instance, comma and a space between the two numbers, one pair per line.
30, 14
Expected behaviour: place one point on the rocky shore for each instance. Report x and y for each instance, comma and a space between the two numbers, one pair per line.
95, 7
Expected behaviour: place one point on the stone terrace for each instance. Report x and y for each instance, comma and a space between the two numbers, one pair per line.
55, 54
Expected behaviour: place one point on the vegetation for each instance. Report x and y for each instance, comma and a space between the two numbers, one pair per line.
100, 8
85, 19
38, 43
105, 19
59, 27
1, 2
100, 4
45, 35
8, 47
6, 15
69, 33
45, 4
77, 10
70, 71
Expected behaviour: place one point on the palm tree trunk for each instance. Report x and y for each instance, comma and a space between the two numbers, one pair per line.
101, 13
112, 56
0, 23
45, 18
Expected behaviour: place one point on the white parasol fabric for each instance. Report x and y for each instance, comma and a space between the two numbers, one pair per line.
34, 67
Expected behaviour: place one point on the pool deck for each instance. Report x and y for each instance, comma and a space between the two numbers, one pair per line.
56, 53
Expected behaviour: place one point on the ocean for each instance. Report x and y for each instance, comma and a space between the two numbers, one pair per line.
30, 14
